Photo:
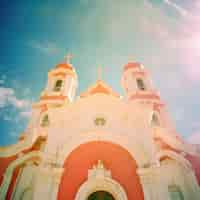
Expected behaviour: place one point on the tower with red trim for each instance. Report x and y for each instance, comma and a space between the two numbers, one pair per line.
62, 83
99, 145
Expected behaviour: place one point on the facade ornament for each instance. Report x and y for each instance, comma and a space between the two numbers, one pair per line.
100, 179
100, 121
99, 171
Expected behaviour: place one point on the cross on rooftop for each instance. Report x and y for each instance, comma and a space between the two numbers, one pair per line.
68, 58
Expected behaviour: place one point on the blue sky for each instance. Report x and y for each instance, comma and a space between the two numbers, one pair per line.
162, 34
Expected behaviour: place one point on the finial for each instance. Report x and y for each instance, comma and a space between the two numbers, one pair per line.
99, 171
100, 164
68, 58
99, 73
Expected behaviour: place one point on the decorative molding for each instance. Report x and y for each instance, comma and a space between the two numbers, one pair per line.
14, 149
139, 154
55, 173
148, 172
100, 179
9, 171
99, 171
175, 156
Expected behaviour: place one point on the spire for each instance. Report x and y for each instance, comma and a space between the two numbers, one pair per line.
99, 73
99, 87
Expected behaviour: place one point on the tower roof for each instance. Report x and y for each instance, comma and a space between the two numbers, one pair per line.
65, 66
99, 87
63, 69
131, 65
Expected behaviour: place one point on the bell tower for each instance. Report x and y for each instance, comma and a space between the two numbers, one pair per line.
138, 87
62, 82
135, 79
60, 90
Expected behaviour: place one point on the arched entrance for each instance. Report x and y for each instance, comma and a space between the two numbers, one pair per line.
101, 195
115, 158
100, 179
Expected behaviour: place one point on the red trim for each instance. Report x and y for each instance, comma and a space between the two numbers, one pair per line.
21, 137
195, 162
64, 65
99, 88
165, 146
132, 65
164, 158
5, 161
12, 183
118, 160
60, 97
144, 96
60, 74
157, 106
64, 74
44, 108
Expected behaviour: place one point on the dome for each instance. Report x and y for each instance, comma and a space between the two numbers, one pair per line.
131, 65
65, 66
99, 87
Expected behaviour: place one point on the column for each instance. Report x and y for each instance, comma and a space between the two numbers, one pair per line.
47, 182
152, 183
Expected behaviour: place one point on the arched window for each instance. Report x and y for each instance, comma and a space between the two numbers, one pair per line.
45, 120
140, 84
58, 85
175, 192
155, 120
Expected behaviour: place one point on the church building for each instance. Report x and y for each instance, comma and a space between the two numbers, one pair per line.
99, 145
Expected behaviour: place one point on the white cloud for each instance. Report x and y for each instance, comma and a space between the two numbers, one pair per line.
8, 98
2, 81
5, 95
44, 47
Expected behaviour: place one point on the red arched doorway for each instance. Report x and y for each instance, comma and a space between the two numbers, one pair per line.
116, 159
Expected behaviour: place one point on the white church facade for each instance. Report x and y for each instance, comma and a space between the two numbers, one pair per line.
99, 145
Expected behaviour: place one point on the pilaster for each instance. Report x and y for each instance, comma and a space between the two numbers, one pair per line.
152, 183
47, 182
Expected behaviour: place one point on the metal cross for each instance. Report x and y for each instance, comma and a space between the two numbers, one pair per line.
68, 58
